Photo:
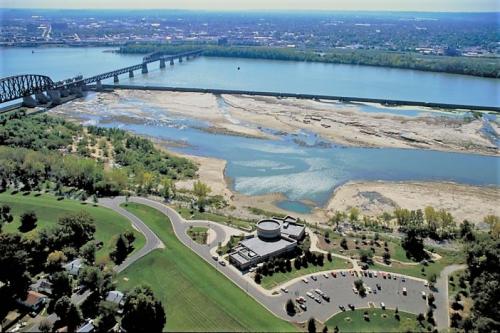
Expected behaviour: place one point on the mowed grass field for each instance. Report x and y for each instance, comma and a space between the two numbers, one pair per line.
380, 321
48, 210
195, 295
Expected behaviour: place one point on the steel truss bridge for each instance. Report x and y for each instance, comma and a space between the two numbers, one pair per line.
24, 86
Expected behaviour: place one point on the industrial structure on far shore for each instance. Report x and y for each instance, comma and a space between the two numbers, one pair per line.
275, 236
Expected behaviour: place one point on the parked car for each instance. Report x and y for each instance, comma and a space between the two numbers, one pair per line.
305, 280
317, 299
310, 295
378, 286
303, 306
325, 275
314, 277
283, 289
343, 273
334, 274
341, 307
215, 258
222, 262
382, 305
351, 306
318, 291
326, 297
300, 300
423, 294
404, 291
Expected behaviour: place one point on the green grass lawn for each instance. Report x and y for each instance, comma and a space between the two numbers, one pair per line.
198, 234
231, 221
454, 285
276, 279
48, 210
380, 321
195, 295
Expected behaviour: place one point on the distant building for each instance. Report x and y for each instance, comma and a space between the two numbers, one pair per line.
275, 236
88, 327
73, 267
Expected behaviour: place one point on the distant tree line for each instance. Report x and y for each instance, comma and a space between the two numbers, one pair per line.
485, 67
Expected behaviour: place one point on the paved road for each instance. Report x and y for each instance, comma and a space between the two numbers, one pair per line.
340, 288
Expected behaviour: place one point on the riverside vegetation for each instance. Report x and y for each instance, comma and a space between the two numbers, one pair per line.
485, 67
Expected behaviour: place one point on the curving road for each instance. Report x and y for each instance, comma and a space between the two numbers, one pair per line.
340, 288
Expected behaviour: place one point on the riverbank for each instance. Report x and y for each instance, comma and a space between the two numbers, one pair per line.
464, 202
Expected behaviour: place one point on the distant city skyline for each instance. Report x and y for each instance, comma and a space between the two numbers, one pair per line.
371, 5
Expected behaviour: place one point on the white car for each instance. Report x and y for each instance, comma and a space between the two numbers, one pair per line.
283, 289
404, 291
369, 290
305, 280
310, 295
325, 275
375, 274
382, 305
423, 294
354, 290
314, 278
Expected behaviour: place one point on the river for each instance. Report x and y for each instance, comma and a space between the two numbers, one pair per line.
303, 167
262, 75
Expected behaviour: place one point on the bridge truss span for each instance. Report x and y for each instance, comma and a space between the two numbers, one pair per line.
14, 87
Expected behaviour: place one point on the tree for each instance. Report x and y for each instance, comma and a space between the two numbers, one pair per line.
359, 285
55, 259
88, 251
28, 221
431, 299
494, 222
343, 243
68, 312
329, 257
258, 278
311, 326
201, 191
420, 317
61, 285
290, 308
354, 214
142, 312
325, 329
79, 226
15, 263
414, 244
106, 319
95, 279
121, 250
366, 256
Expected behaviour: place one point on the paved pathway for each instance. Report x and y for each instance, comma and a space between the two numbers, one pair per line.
340, 288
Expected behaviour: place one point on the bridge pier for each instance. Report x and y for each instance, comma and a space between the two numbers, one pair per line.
162, 63
55, 96
144, 68
115, 79
41, 98
64, 92
180, 59
29, 101
131, 74
98, 85
171, 61
76, 90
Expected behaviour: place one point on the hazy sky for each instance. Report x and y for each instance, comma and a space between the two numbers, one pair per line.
404, 5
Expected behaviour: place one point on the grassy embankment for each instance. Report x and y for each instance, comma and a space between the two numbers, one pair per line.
189, 214
379, 321
48, 210
195, 295
198, 234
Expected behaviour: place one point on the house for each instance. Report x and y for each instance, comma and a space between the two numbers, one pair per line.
116, 297
73, 267
42, 286
34, 301
88, 327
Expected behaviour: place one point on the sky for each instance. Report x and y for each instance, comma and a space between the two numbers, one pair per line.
391, 5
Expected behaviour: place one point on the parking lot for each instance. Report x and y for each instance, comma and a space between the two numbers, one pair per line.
340, 291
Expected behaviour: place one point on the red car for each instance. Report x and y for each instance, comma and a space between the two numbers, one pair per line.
334, 274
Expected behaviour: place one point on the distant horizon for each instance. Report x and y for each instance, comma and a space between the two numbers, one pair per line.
433, 6
253, 10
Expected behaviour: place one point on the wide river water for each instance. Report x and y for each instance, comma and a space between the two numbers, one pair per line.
302, 166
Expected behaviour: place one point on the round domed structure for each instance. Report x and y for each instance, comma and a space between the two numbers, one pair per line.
268, 229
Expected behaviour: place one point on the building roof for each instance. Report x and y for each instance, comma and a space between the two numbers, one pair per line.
88, 327
264, 247
292, 229
114, 296
268, 224
33, 298
74, 266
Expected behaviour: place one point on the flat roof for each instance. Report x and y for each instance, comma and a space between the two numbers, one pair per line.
269, 224
292, 229
264, 247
